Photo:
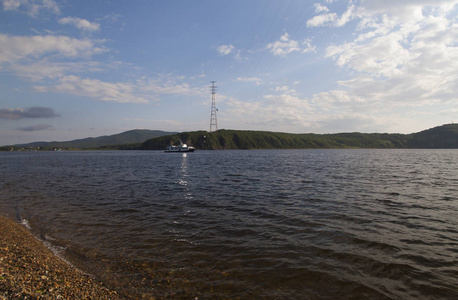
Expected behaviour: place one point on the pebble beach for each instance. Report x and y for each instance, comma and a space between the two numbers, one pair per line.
29, 270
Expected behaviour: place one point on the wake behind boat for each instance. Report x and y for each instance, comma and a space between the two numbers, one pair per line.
179, 148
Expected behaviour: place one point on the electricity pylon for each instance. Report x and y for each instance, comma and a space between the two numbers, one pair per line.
213, 121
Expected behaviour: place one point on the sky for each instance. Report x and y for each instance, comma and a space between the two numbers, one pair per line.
87, 68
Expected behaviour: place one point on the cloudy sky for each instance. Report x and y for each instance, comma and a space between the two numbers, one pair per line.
74, 69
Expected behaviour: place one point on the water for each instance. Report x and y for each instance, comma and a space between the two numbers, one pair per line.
278, 224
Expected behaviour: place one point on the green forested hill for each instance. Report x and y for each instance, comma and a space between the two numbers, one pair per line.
236, 139
127, 137
445, 136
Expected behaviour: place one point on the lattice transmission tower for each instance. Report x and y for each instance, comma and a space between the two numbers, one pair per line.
213, 121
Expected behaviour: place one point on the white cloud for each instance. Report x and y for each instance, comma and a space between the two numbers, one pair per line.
403, 59
321, 20
289, 106
39, 57
255, 80
238, 56
282, 109
60, 76
80, 23
320, 8
169, 85
338, 100
98, 90
283, 46
308, 47
406, 11
225, 49
334, 111
32, 7
14, 48
402, 72
283, 88
347, 122
332, 19
285, 109
45, 69
346, 17
384, 55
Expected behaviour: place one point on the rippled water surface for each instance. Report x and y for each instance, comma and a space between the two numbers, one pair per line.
286, 224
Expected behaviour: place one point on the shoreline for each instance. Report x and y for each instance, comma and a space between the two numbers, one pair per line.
28, 269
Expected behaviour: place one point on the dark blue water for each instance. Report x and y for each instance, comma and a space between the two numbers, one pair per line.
284, 224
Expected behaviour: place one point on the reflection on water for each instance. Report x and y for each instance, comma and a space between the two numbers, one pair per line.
248, 224
183, 170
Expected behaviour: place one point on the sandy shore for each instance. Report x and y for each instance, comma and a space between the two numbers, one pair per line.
29, 270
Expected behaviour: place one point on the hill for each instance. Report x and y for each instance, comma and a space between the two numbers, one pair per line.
445, 136
237, 139
136, 136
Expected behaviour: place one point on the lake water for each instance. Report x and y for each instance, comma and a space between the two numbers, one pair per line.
274, 224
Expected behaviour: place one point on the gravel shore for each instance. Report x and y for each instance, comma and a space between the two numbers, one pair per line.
29, 270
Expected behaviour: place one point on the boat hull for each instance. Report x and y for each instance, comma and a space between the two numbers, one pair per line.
179, 151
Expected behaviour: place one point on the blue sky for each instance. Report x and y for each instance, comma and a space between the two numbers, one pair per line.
75, 69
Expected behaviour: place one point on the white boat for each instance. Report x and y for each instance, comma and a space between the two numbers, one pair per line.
179, 148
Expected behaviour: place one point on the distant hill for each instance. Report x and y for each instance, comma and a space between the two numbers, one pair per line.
445, 136
136, 136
